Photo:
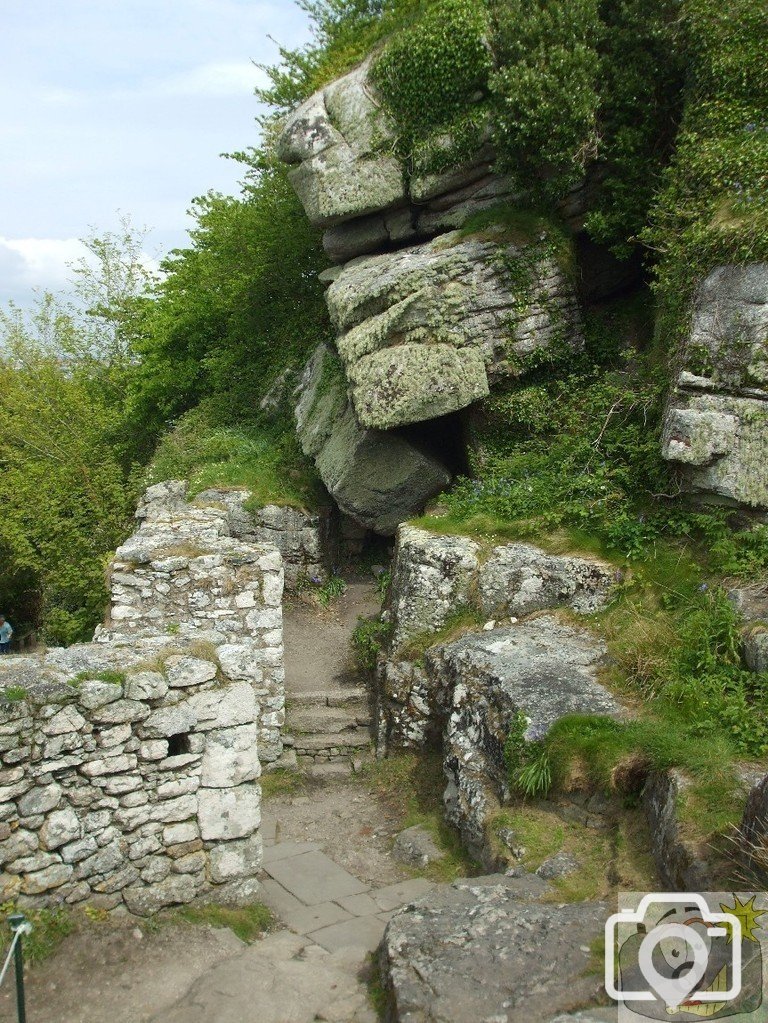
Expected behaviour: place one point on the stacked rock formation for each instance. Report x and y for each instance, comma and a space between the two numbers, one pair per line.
430, 313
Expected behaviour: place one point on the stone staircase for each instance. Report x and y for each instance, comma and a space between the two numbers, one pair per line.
330, 729
328, 716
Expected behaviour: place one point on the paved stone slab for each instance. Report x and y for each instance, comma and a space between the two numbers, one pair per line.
361, 932
311, 918
286, 850
359, 905
281, 979
276, 898
396, 895
314, 878
268, 829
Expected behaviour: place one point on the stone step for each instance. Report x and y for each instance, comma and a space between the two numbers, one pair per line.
341, 741
336, 697
326, 719
330, 771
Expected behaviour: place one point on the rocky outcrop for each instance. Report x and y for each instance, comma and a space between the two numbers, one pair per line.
423, 330
488, 949
339, 143
429, 318
378, 479
466, 692
438, 578
541, 668
129, 767
716, 427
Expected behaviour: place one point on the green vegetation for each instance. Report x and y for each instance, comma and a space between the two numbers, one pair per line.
368, 640
605, 861
675, 657
281, 782
712, 207
412, 785
268, 463
49, 928
115, 678
13, 694
249, 923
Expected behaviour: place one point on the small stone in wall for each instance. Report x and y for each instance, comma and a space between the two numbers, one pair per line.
416, 847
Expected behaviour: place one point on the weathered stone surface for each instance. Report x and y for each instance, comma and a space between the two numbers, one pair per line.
477, 950
543, 668
684, 864
414, 382
236, 860
517, 579
756, 648
231, 757
229, 813
753, 833
456, 293
337, 140
439, 580
378, 479
60, 827
176, 889
127, 810
717, 422
719, 441
302, 537
416, 847
431, 578
730, 326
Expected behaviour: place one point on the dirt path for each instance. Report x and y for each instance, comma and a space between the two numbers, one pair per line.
318, 652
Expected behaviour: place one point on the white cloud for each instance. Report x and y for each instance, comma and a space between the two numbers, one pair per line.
39, 262
214, 79
43, 264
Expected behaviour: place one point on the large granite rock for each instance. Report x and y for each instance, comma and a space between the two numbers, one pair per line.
435, 579
431, 578
486, 949
378, 479
543, 668
517, 579
423, 330
339, 142
716, 427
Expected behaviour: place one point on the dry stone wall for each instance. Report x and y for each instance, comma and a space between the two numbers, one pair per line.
129, 767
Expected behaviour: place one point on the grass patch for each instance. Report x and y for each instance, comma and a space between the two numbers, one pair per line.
378, 994
281, 782
49, 928
611, 859
369, 637
412, 786
248, 922
268, 464
114, 678
460, 621
14, 694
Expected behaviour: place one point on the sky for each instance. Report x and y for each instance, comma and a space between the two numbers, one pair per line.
111, 107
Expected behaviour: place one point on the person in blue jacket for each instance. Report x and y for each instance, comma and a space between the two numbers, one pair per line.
5, 635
